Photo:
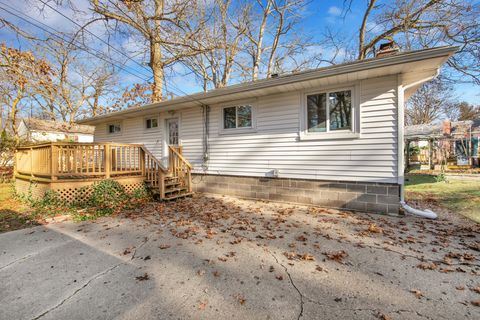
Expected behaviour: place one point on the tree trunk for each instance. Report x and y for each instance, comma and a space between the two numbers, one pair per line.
13, 115
157, 68
362, 51
276, 40
156, 54
261, 33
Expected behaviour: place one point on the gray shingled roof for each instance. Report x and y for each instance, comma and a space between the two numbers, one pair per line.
54, 126
435, 130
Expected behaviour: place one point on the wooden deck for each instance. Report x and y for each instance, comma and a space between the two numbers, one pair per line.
68, 167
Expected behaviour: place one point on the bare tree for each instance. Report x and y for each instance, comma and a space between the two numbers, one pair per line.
225, 34
102, 83
429, 103
416, 24
271, 29
82, 83
463, 111
20, 74
170, 30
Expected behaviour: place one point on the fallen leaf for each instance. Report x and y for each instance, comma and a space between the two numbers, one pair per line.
373, 228
337, 256
143, 278
476, 289
383, 316
307, 257
417, 293
427, 266
301, 238
241, 299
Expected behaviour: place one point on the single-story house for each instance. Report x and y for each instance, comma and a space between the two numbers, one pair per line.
38, 130
331, 136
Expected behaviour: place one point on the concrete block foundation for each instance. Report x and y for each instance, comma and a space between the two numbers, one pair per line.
356, 196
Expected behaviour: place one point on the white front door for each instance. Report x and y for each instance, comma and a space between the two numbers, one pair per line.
172, 132
171, 138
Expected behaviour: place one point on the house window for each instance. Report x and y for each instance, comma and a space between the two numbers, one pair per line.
329, 111
114, 128
237, 117
151, 123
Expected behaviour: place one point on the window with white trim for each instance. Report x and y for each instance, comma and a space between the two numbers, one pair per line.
237, 117
330, 111
114, 128
151, 123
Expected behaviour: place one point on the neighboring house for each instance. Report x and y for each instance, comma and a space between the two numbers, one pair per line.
331, 136
450, 142
37, 130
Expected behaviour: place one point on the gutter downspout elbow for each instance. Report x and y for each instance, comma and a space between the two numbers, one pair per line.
429, 214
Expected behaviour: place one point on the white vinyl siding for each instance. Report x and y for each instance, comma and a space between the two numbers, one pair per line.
133, 131
276, 144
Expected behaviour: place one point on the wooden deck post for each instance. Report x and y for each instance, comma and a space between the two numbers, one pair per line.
53, 162
142, 161
189, 179
108, 160
161, 184
31, 162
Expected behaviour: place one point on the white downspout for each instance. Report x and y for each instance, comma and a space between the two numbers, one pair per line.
401, 146
421, 213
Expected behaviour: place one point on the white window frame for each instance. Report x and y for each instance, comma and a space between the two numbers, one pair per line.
352, 133
120, 124
157, 128
252, 128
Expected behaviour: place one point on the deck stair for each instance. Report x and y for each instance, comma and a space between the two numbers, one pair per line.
169, 183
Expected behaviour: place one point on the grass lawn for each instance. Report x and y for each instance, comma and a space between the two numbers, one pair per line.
458, 196
13, 214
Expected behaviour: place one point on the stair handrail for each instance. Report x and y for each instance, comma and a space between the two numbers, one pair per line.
185, 162
182, 158
159, 171
157, 162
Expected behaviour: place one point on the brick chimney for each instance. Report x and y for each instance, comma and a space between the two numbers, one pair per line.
387, 49
446, 127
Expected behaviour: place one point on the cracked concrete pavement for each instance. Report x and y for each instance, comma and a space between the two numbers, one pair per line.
221, 257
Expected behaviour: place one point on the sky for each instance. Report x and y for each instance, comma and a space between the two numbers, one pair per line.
318, 15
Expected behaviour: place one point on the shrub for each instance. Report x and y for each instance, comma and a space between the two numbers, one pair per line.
108, 196
441, 177
100, 199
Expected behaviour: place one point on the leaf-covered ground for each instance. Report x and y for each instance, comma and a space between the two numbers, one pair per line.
221, 257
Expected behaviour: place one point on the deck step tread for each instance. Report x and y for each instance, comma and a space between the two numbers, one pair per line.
171, 190
178, 196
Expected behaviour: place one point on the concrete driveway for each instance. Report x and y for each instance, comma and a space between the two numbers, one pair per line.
220, 257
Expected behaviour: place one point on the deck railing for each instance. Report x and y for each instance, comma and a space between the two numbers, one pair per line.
80, 160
